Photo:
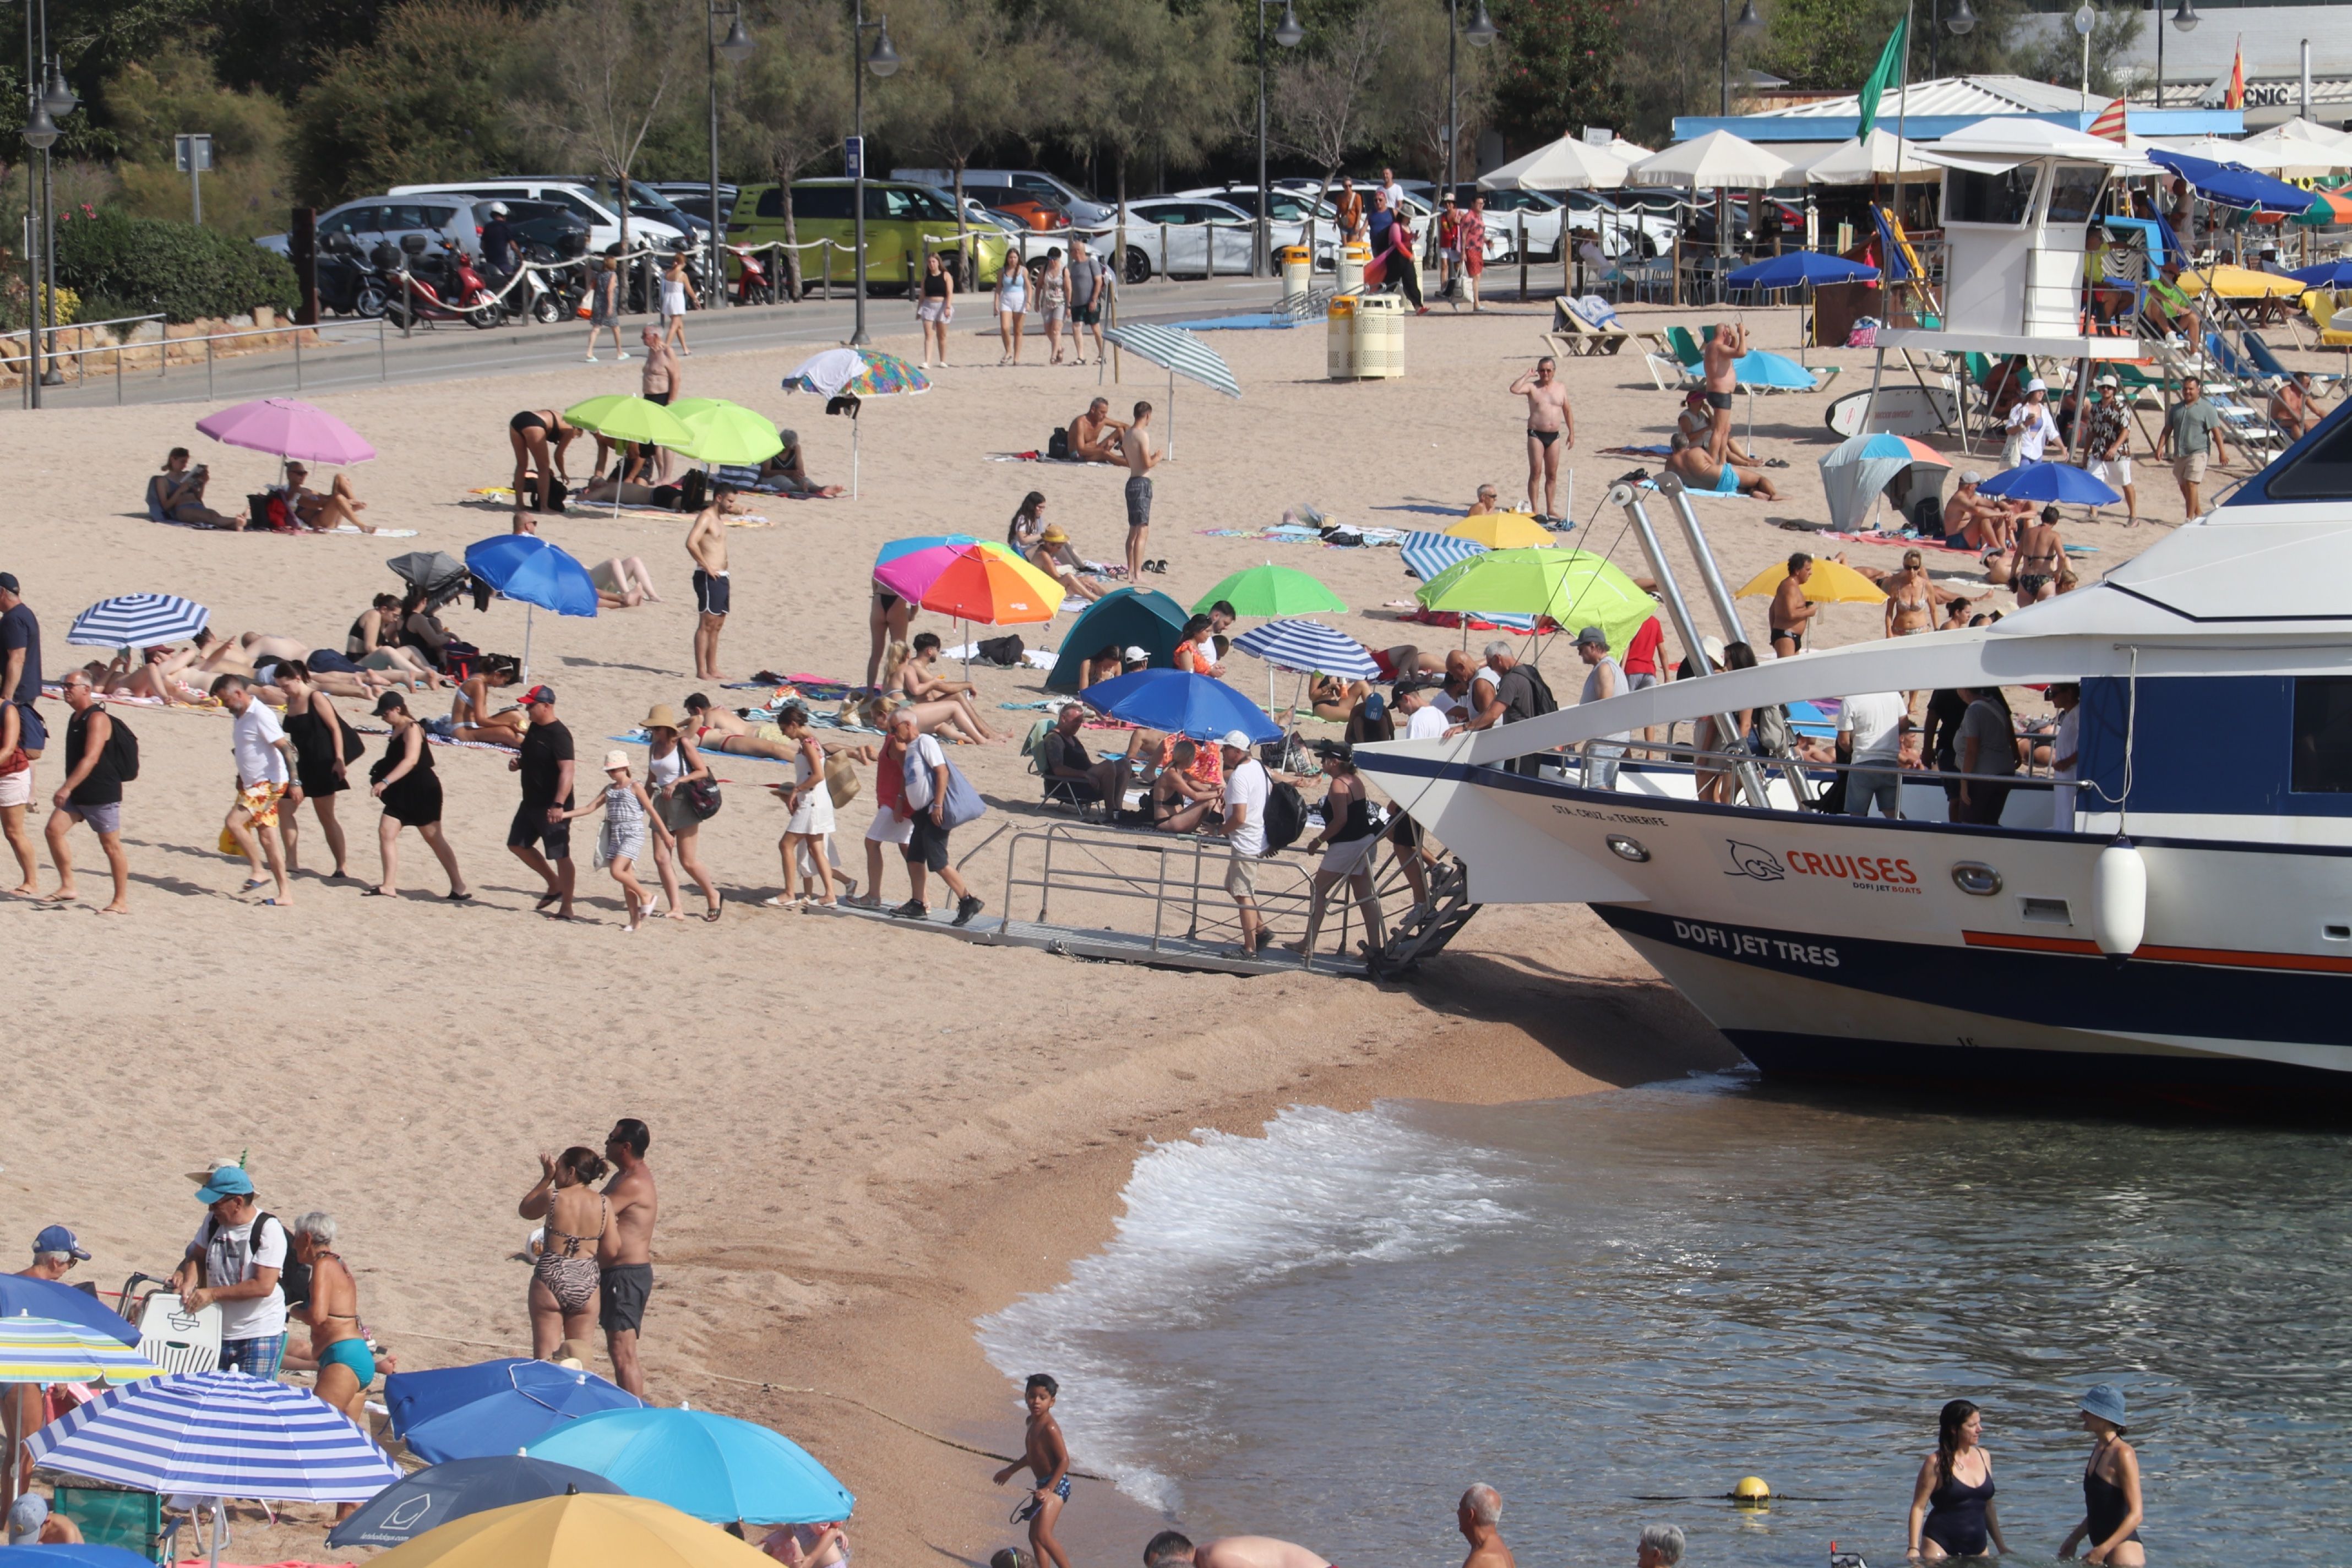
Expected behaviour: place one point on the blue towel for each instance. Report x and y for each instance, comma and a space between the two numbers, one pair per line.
1258, 322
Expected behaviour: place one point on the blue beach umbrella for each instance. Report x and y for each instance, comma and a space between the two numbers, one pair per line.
80, 1555
526, 567
427, 1499
21, 1297
712, 1467
1760, 369
137, 620
1427, 553
2326, 275
492, 1408
1309, 646
2233, 185
216, 1434
1797, 267
1180, 703
2050, 482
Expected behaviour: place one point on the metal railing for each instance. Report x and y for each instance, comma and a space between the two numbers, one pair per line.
162, 348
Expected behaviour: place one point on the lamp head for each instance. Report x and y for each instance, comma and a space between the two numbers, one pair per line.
40, 132
57, 98
1963, 20
1481, 31
2085, 19
884, 59
2185, 18
736, 45
1288, 33
1749, 22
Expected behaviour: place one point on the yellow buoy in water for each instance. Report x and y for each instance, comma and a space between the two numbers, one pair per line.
1751, 1492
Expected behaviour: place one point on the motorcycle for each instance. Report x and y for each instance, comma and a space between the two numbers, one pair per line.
551, 288
461, 297
752, 285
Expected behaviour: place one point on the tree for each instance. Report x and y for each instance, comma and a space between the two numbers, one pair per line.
1325, 107
1830, 44
977, 75
1670, 62
611, 65
430, 100
789, 104
1147, 79
1409, 90
245, 194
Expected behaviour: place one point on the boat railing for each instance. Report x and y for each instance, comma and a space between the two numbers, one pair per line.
1681, 758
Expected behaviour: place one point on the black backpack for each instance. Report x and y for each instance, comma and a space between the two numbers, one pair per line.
122, 749
1004, 652
1286, 816
293, 1277
1057, 445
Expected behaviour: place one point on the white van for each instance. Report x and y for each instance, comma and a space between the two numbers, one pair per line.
603, 226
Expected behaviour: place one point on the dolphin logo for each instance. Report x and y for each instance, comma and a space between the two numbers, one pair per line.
409, 1511
1747, 861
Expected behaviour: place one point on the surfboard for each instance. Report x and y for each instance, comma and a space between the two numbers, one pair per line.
1904, 409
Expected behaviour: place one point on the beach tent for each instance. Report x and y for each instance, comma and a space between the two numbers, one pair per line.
1855, 473
1126, 617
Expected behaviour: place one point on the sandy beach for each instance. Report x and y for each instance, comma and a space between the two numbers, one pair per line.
865, 1138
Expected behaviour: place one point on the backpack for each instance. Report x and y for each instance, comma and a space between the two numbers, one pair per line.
1286, 816
122, 749
1540, 700
1004, 652
293, 1279
1057, 445
1774, 738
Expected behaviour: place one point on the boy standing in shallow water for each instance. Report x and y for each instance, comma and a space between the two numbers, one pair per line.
1047, 1455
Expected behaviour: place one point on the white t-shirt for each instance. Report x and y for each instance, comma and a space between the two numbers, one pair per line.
1875, 719
1429, 723
1479, 700
254, 737
928, 759
1395, 193
2065, 743
1248, 787
230, 1258
2035, 428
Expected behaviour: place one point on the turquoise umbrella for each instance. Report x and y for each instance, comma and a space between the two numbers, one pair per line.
712, 1467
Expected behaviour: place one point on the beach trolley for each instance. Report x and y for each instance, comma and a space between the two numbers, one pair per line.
1297, 272
1380, 335
1348, 268
1340, 337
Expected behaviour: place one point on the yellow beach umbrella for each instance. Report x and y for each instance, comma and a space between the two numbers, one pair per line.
1505, 531
2240, 283
580, 1530
1832, 582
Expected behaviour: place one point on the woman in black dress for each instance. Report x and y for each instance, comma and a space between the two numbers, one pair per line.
320, 744
403, 781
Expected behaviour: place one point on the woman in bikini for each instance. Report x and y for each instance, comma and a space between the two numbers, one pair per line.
469, 710
2037, 559
1180, 801
539, 436
887, 618
346, 1364
1911, 598
563, 1282
934, 701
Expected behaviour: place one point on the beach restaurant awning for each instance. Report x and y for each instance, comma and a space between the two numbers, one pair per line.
1716, 160
1850, 162
1566, 164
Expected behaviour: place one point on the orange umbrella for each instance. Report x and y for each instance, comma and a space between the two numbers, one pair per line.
972, 583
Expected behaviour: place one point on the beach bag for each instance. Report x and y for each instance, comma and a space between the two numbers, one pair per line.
1773, 736
1057, 445
1286, 816
1004, 652
701, 797
354, 747
841, 780
963, 803
122, 749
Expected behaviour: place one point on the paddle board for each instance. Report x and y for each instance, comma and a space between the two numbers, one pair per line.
1908, 409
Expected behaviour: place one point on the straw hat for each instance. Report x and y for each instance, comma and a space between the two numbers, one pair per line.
664, 717
1054, 534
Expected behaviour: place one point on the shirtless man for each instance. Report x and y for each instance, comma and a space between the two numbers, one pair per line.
1721, 380
660, 380
1047, 1455
1690, 463
1094, 434
323, 510
1169, 1549
2036, 559
705, 542
1488, 504
1479, 1516
1980, 521
1698, 421
1551, 430
1791, 613
625, 1251
1135, 449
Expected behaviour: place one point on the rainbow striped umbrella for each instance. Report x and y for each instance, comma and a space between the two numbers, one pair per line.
892, 550
845, 377
44, 1349
972, 583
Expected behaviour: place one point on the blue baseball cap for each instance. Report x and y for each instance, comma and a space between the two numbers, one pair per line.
228, 1182
57, 1238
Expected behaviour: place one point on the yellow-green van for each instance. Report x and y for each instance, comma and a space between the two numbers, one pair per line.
902, 222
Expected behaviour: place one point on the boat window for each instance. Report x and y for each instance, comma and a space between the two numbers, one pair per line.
2322, 735
2321, 471
2075, 193
2004, 198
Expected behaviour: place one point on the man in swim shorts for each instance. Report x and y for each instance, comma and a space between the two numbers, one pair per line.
1479, 1516
1689, 462
705, 542
1721, 379
1135, 446
624, 1253
1551, 431
1047, 1455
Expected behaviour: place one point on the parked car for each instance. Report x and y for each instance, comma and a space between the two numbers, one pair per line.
1082, 207
374, 218
603, 224
1173, 236
902, 222
692, 197
1284, 206
1038, 211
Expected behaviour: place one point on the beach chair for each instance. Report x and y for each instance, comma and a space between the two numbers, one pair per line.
1680, 365
1573, 332
2268, 365
109, 1517
178, 1340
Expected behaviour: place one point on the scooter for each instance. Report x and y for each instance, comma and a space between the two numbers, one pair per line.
469, 300
753, 285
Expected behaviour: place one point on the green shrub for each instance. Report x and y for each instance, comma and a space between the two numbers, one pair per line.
175, 267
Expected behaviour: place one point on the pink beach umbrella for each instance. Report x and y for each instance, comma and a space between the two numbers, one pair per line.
285, 427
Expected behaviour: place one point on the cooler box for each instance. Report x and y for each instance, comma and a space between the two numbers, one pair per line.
1339, 338
1380, 335
1297, 271
1354, 257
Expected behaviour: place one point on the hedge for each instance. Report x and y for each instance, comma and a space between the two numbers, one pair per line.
136, 266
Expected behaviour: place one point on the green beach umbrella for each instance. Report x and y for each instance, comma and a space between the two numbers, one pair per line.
726, 432
1574, 587
621, 418
1271, 590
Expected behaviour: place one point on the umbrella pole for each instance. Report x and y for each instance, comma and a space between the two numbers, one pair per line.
526, 646
1171, 411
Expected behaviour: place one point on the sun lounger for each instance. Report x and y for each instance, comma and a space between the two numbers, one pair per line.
1573, 334
2268, 365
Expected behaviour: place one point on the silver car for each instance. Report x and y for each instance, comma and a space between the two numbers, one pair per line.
374, 218
1172, 236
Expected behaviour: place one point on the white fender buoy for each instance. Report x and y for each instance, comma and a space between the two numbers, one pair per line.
2119, 899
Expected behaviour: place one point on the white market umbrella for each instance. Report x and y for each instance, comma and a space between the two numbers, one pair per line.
1716, 160
1852, 163
2298, 150
1566, 164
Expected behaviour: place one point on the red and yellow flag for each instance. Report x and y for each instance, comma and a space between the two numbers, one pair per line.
2236, 97
2110, 122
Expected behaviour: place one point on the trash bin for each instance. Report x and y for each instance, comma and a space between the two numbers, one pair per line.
1354, 257
1339, 338
1380, 335
1297, 271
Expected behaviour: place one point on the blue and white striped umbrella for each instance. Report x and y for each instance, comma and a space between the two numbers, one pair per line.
137, 620
1311, 647
1179, 353
216, 1434
1427, 553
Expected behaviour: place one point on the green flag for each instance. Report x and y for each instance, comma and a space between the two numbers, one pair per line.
1881, 77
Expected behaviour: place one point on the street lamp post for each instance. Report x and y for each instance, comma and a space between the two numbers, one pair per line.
2085, 19
737, 47
1749, 23
1480, 32
883, 61
46, 97
2186, 19
1288, 33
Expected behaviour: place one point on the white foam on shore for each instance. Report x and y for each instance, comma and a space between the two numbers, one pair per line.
1206, 1220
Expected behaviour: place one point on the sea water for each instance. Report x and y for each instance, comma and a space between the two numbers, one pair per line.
1612, 1308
